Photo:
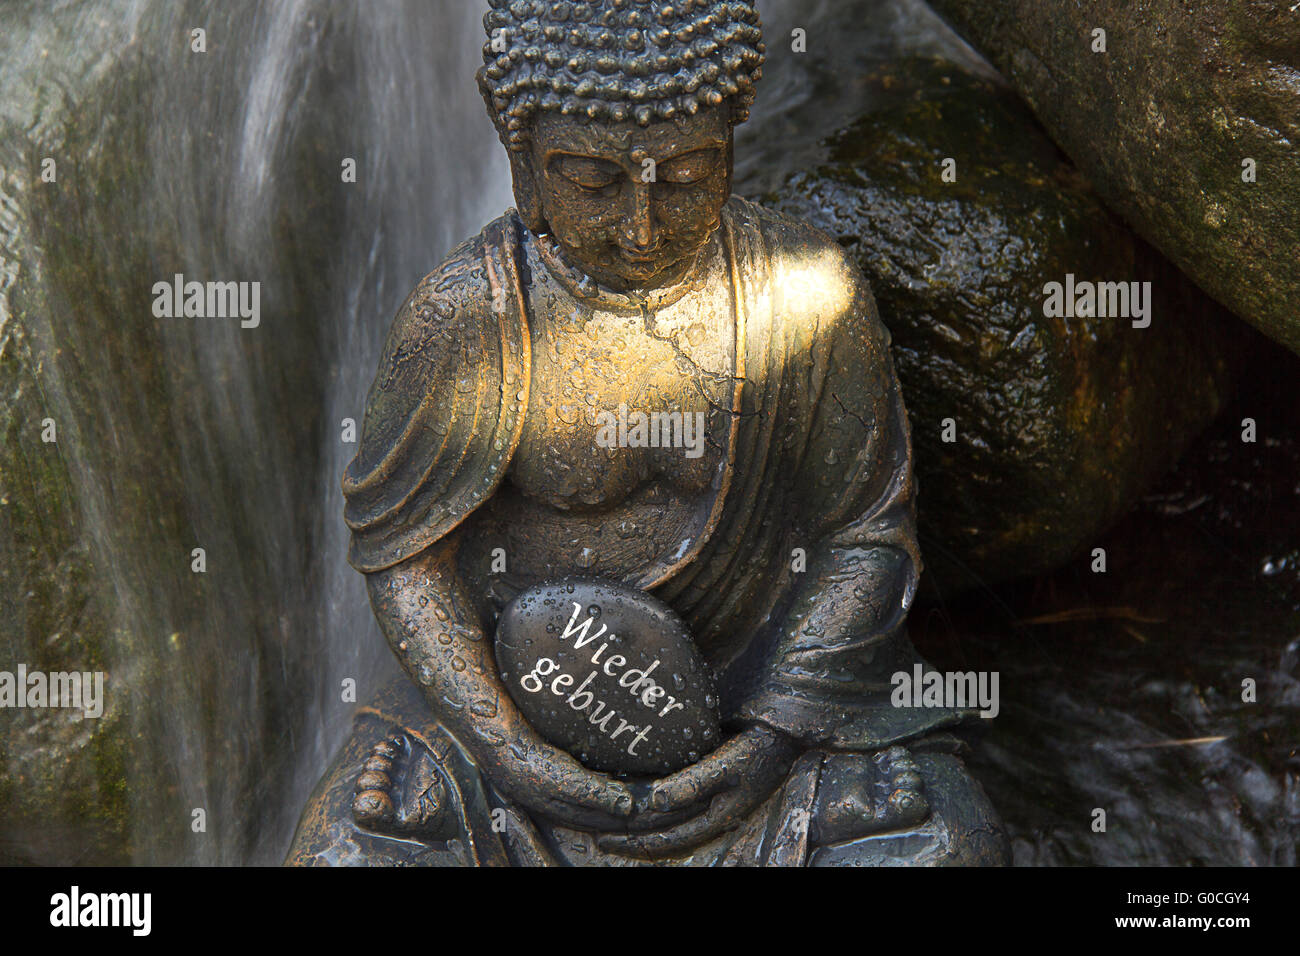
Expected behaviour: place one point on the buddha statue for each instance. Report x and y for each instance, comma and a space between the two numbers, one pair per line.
629, 277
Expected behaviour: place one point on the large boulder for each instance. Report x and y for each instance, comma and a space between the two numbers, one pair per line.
1162, 121
1055, 424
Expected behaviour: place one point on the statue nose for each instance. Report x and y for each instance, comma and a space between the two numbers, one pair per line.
639, 229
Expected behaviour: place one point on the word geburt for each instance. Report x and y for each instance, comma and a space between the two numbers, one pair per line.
651, 430
955, 689
35, 689
208, 300
1102, 300
642, 687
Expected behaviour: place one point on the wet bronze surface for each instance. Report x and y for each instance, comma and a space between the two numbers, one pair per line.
627, 283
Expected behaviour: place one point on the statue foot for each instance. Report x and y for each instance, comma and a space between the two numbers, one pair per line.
928, 811
399, 791
861, 796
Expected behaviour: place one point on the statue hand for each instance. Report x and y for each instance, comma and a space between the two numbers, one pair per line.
717, 792
755, 760
548, 781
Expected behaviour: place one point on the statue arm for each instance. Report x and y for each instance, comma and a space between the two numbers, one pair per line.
430, 622
442, 420
828, 678
841, 634
849, 603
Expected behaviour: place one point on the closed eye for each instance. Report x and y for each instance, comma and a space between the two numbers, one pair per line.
588, 173
690, 168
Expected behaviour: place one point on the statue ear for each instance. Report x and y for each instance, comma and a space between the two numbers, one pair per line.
731, 156
528, 198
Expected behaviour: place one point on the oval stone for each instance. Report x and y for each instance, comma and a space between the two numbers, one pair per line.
610, 674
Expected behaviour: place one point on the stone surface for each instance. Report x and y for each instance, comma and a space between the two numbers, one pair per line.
1127, 690
1161, 122
1059, 423
610, 674
171, 436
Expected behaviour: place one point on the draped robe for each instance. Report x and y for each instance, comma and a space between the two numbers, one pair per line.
803, 558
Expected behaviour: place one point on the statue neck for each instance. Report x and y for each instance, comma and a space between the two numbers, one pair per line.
584, 288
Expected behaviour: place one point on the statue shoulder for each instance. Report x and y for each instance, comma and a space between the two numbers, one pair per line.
856, 442
816, 281
432, 335
444, 414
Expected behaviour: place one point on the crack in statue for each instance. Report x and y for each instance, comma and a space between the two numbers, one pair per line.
627, 252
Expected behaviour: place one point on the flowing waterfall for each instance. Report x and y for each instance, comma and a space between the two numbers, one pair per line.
226, 688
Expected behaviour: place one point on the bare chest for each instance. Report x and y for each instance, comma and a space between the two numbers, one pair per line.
617, 402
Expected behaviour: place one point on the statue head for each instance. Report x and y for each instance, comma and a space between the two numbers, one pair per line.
618, 117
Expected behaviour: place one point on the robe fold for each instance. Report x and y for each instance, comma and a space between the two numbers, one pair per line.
796, 583
797, 587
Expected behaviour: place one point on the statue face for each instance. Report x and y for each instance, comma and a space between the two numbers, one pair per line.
631, 205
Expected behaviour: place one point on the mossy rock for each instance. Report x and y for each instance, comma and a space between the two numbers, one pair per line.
1060, 423
1162, 121
63, 784
170, 435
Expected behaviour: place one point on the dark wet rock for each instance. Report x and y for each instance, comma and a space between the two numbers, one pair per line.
1166, 691
1060, 423
610, 674
1161, 122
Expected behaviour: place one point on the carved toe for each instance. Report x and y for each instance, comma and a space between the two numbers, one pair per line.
399, 791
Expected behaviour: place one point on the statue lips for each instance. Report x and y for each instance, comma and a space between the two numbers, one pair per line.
610, 674
640, 257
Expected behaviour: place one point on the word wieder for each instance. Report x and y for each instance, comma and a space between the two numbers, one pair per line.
642, 687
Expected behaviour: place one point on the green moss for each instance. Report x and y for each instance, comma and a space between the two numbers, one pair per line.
1062, 423
1160, 123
